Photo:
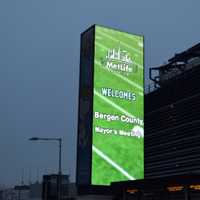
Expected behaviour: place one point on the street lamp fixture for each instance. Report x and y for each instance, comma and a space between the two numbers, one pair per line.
59, 166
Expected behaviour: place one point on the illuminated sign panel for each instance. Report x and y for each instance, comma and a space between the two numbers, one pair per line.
195, 187
175, 188
118, 128
111, 107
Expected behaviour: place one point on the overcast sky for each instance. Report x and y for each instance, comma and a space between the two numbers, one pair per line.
39, 69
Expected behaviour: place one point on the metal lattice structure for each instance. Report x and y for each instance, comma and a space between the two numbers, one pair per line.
176, 66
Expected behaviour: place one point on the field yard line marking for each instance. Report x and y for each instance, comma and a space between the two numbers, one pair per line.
129, 35
123, 78
103, 46
113, 104
111, 162
112, 38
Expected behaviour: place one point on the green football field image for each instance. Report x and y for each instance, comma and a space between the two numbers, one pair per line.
118, 110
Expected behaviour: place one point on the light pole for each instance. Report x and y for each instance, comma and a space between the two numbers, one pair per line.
59, 164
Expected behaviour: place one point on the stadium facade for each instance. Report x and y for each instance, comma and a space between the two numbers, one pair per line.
172, 139
172, 117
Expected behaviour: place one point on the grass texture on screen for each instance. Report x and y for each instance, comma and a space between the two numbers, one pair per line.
117, 157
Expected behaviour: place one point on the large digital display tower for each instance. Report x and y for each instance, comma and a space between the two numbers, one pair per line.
111, 107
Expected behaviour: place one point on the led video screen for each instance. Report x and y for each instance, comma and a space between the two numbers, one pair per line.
118, 107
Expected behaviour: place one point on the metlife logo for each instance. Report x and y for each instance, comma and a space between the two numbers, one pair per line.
119, 60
